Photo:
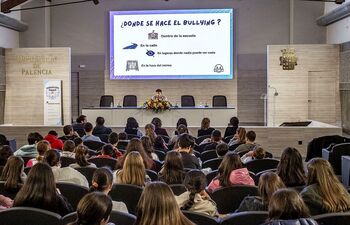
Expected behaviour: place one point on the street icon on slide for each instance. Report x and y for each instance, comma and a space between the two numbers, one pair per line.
132, 46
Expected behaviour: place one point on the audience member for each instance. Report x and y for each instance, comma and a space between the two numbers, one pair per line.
291, 168
186, 144
52, 138
157, 206
41, 147
215, 140
286, 208
107, 152
113, 140
3, 140
79, 125
132, 127
69, 133
257, 153
122, 140
5, 153
13, 174
88, 133
231, 172
173, 169
221, 150
232, 127
94, 209
102, 181
66, 174
78, 142
205, 128
149, 131
160, 144
249, 144
181, 129
181, 121
68, 149
324, 192
196, 199
269, 183
133, 171
158, 127
238, 139
29, 150
147, 145
100, 129
81, 153
40, 191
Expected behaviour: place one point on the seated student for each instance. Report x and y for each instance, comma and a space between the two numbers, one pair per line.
13, 174
249, 144
88, 133
158, 206
231, 172
79, 125
100, 128
291, 168
41, 147
257, 153
81, 153
102, 181
269, 183
196, 199
232, 127
68, 149
94, 208
52, 138
186, 144
5, 153
43, 196
181, 129
66, 174
149, 131
159, 144
132, 127
107, 152
69, 133
78, 142
29, 150
205, 128
238, 139
133, 171
324, 192
147, 145
221, 150
113, 140
181, 121
3, 140
173, 170
158, 127
122, 140
214, 140
287, 208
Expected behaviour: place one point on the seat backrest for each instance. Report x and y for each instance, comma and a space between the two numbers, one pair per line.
160, 154
228, 199
88, 172
187, 101
66, 161
201, 138
130, 101
245, 218
259, 165
127, 193
165, 138
210, 176
228, 138
69, 218
178, 189
212, 163
26, 159
101, 162
122, 218
206, 155
345, 169
158, 165
337, 152
94, 145
153, 175
200, 148
341, 218
8, 193
72, 192
219, 101
103, 137
29, 216
200, 218
106, 101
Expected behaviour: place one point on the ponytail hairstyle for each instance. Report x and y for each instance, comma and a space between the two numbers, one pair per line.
101, 180
80, 156
11, 173
195, 182
42, 147
52, 157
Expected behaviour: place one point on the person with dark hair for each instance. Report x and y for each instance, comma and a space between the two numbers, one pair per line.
81, 153
196, 199
13, 174
79, 125
205, 128
113, 140
122, 140
102, 181
132, 127
159, 96
3, 140
69, 133
232, 127
181, 121
215, 140
173, 170
68, 149
231, 172
257, 153
41, 147
158, 127
40, 191
88, 133
107, 152
94, 209
5, 153
100, 129
52, 138
67, 174
249, 144
286, 207
221, 150
29, 150
186, 144
159, 144
78, 141
291, 168
181, 129
147, 145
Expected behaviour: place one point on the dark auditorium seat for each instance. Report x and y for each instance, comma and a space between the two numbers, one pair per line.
130, 101
101, 162
66, 161
107, 101
165, 138
94, 145
335, 154
8, 193
341, 218
219, 101
228, 138
69, 218
187, 101
210, 176
345, 165
152, 175
29, 216
160, 154
26, 170
246, 218
72, 192
88, 172
212, 163
178, 189
207, 155
201, 138
158, 165
259, 165
127, 193
200, 218
122, 218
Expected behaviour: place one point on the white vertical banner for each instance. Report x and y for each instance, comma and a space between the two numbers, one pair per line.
52, 102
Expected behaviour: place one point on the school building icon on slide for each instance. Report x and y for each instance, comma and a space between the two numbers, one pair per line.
132, 65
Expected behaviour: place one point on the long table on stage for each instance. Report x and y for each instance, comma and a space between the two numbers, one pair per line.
117, 116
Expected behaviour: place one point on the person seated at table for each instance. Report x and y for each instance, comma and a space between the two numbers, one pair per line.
232, 127
89, 136
249, 143
132, 127
78, 126
158, 127
257, 153
159, 96
29, 150
69, 133
205, 128
100, 129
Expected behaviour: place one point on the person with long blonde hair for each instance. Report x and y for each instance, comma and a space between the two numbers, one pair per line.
133, 171
150, 132
158, 206
324, 193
